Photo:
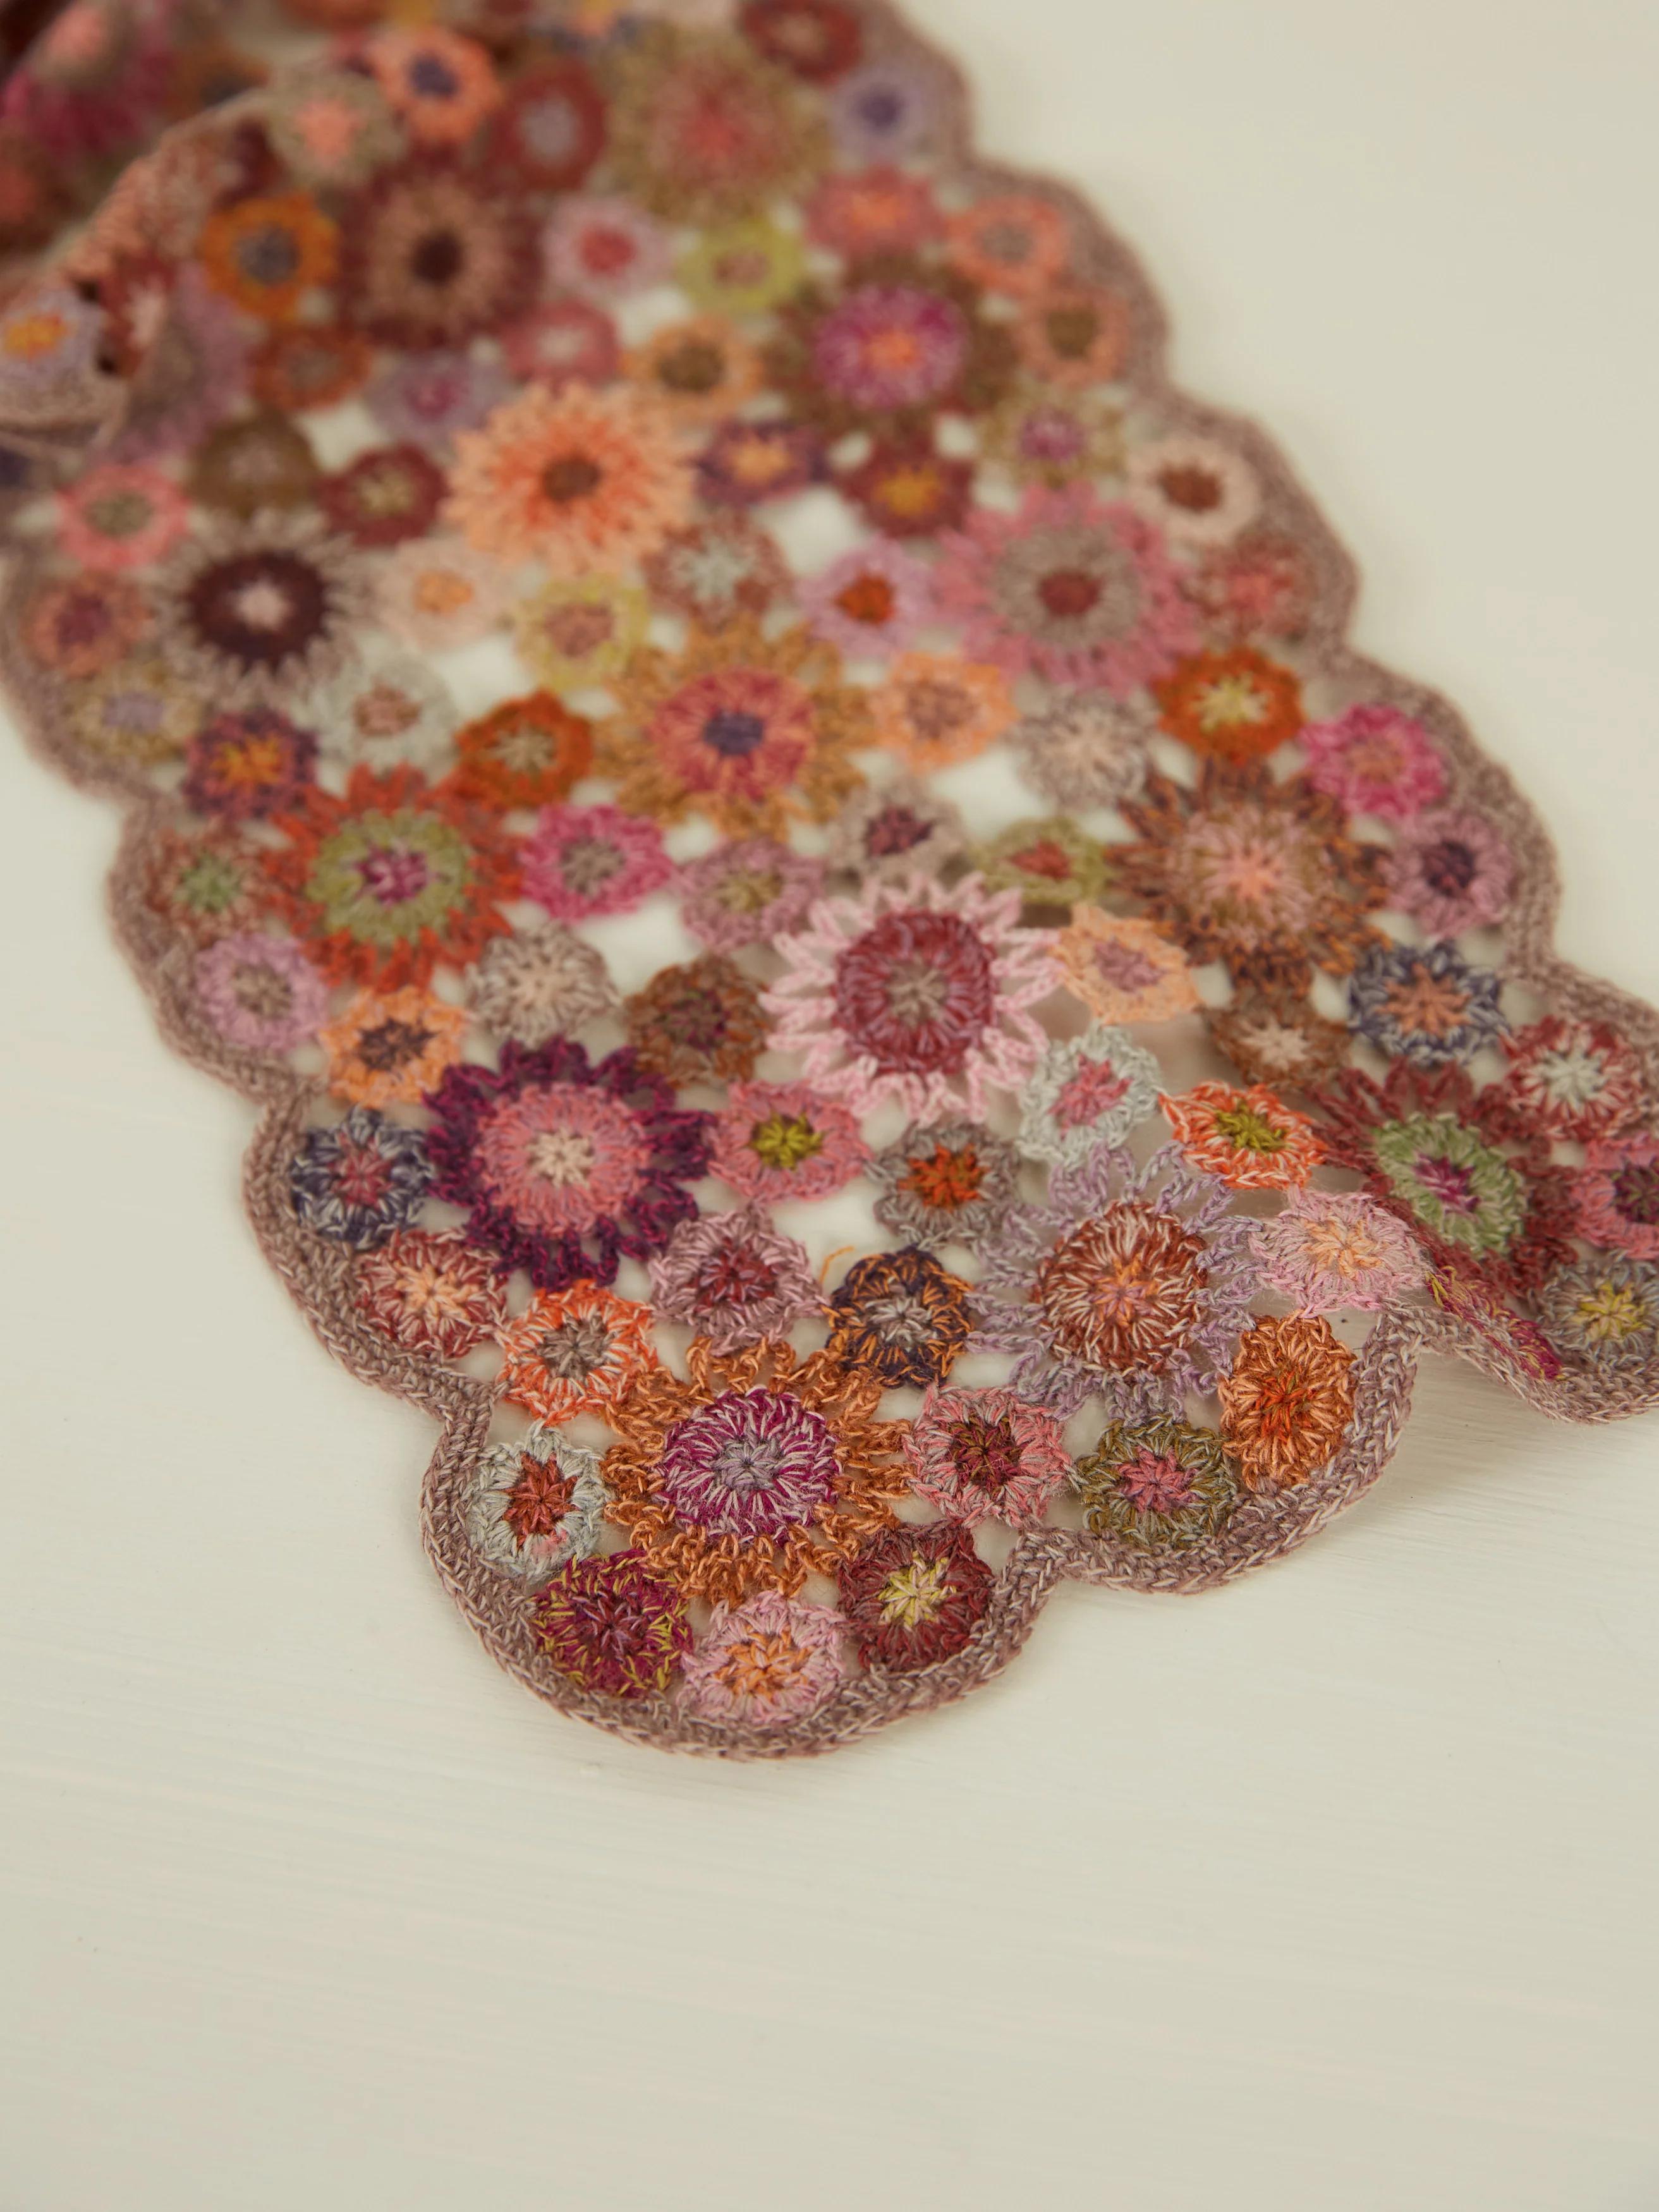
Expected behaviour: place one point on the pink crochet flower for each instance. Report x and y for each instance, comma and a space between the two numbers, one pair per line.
1330, 1249
121, 517
747, 893
585, 861
779, 1141
766, 1662
915, 993
1070, 588
986, 1456
874, 602
260, 993
1450, 872
604, 249
1375, 760
1618, 1196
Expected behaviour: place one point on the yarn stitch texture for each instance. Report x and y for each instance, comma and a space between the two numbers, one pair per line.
406, 474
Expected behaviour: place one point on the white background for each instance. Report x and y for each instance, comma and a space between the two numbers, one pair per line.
1334, 1890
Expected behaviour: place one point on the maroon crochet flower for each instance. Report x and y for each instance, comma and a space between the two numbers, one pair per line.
913, 1597
386, 495
899, 1315
244, 766
565, 1167
1464, 1167
612, 1626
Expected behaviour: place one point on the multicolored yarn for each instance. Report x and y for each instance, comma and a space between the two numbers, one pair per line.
518, 670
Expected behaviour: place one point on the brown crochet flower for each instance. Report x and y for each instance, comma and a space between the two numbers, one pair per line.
1287, 1406
759, 1469
899, 1317
699, 1023
255, 461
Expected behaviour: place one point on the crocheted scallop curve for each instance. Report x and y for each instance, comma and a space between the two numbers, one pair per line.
1462, 1320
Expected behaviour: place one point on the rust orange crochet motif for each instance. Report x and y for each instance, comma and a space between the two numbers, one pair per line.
655, 621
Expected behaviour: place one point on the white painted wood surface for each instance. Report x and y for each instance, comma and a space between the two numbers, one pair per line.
1336, 1889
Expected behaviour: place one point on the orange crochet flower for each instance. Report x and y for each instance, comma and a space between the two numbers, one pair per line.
527, 752
933, 709
580, 480
1250, 1138
1237, 706
759, 1470
746, 729
575, 1351
1287, 1406
1123, 968
267, 253
441, 84
390, 1048
1011, 242
1075, 337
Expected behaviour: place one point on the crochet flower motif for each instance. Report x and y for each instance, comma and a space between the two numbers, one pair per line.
578, 479
1468, 1173
582, 861
391, 878
1450, 872
1124, 969
718, 570
1200, 493
914, 992
526, 752
948, 1183
1275, 1038
1086, 1091
434, 254
1375, 760
699, 1023
360, 1181
890, 831
914, 1596
1250, 1138
253, 612
1330, 1249
390, 1048
1424, 1004
426, 1291
750, 892
704, 130
899, 1317
576, 631
577, 1351
757, 1470
1071, 587
1234, 706
1131, 1282
1052, 864
542, 982
1086, 748
260, 993
874, 602
1580, 1080
611, 1626
986, 1456
242, 768
734, 1280
535, 1503
1618, 1194
565, 1167
1161, 1484
766, 1663
1604, 1311
1288, 1401
774, 1142
749, 730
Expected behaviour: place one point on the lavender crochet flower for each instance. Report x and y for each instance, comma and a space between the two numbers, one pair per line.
1424, 1004
360, 1180
260, 992
734, 1279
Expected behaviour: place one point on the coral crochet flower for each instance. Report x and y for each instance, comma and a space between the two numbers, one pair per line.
426, 1291
949, 1182
360, 1181
734, 1280
1288, 1402
565, 1167
765, 1664
933, 710
260, 993
118, 518
986, 1456
1070, 588
1076, 334
1327, 1249
441, 84
1162, 1484
609, 1625
1580, 1080
1123, 969
390, 1048
578, 479
774, 1141
1236, 705
861, 213
391, 878
1086, 1091
914, 1596
1375, 760
1129, 1281
79, 626
1249, 1139
583, 861
757, 1470
526, 752
576, 1351
1011, 242
916, 992
701, 370
900, 1317
534, 1503
749, 730
1618, 1194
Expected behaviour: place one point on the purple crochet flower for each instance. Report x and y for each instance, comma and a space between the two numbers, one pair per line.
565, 1167
734, 1279
747, 893
1130, 1282
585, 861
361, 1180
260, 992
1425, 1003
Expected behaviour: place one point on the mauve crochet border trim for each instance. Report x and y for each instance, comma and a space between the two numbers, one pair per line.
1264, 1528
